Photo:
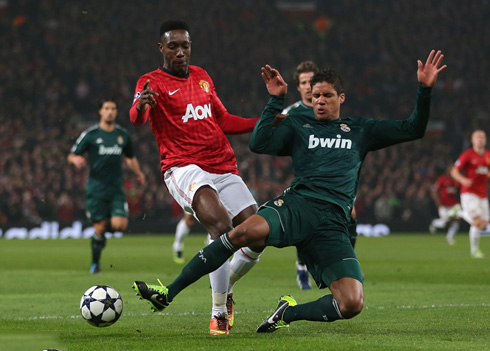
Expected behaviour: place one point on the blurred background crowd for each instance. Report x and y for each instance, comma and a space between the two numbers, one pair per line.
59, 57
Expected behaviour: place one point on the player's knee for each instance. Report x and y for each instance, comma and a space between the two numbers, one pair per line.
119, 224
216, 223
119, 227
351, 307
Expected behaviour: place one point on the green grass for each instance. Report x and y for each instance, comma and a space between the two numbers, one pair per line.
420, 294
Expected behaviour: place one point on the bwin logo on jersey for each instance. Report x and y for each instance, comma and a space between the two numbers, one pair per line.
199, 112
331, 143
110, 150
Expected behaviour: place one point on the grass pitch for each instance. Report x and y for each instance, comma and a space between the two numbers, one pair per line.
420, 294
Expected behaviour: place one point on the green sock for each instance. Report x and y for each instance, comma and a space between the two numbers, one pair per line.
98, 244
325, 309
206, 261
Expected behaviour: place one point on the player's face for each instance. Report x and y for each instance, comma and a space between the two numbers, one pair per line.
176, 49
304, 87
326, 101
479, 139
108, 112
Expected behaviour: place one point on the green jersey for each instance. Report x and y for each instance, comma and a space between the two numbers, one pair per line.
299, 108
327, 155
105, 150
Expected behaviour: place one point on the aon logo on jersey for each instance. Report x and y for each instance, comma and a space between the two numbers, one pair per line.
481, 170
331, 143
198, 112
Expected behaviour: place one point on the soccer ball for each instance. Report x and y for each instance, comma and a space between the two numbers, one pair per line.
101, 306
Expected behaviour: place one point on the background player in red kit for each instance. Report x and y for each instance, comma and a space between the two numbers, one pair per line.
472, 170
198, 164
445, 193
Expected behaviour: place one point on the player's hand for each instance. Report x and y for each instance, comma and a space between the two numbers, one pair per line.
141, 178
147, 97
79, 161
466, 182
274, 82
427, 74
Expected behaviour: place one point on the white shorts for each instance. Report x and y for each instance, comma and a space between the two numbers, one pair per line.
449, 212
474, 206
183, 183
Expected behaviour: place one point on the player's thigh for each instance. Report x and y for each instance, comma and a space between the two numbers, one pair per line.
474, 206
292, 219
97, 209
183, 183
330, 253
119, 206
233, 193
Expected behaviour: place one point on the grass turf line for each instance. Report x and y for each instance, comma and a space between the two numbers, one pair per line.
420, 294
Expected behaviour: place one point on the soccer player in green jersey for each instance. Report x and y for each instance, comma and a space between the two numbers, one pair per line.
314, 212
302, 76
105, 200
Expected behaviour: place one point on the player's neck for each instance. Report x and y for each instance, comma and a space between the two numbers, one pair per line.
307, 103
479, 151
107, 127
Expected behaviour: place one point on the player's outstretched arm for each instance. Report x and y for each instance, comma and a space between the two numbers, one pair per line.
427, 74
274, 82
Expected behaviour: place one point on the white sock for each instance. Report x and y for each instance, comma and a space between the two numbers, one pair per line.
453, 228
301, 267
219, 280
219, 304
474, 238
181, 233
242, 262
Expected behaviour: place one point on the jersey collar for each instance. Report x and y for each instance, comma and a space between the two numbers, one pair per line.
173, 74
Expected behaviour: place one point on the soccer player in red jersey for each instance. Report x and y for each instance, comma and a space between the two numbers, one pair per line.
198, 164
471, 170
445, 194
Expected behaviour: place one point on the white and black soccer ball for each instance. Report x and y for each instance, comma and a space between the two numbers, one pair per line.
101, 306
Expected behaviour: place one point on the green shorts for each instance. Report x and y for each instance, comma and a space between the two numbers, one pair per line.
99, 209
319, 231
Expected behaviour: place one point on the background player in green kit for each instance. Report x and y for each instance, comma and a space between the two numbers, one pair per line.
105, 200
314, 212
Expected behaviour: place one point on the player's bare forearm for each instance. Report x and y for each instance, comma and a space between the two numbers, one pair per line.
134, 165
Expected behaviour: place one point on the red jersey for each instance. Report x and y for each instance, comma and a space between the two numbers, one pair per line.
189, 121
476, 168
447, 189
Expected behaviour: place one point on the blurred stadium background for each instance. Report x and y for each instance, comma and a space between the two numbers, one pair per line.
59, 57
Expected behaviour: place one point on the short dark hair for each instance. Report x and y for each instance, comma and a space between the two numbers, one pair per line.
304, 67
172, 25
330, 76
104, 100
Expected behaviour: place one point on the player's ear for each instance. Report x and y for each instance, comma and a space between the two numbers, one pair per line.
342, 98
160, 46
